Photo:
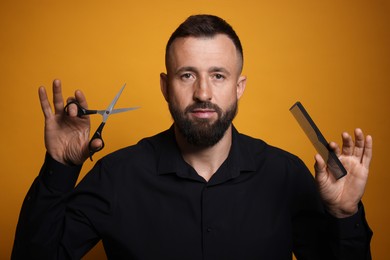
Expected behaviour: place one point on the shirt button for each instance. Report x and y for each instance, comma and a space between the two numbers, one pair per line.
357, 225
209, 229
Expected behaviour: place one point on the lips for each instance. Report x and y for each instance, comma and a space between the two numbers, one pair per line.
203, 113
203, 110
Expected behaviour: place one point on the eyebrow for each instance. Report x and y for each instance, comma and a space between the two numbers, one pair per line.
186, 68
193, 69
219, 69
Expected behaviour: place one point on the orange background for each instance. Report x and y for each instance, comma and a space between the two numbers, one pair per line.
334, 56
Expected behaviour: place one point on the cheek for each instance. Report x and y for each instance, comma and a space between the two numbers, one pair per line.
179, 98
226, 98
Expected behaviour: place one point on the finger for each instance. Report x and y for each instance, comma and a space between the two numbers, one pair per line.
81, 98
58, 101
367, 155
359, 143
45, 104
348, 145
96, 144
335, 148
72, 109
319, 167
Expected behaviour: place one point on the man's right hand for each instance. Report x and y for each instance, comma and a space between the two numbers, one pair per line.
66, 135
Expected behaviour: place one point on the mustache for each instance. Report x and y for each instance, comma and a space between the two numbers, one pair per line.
203, 105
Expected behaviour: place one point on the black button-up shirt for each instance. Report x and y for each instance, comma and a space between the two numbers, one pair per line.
146, 202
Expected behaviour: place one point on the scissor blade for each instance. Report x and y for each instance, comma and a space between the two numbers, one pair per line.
112, 104
100, 112
121, 110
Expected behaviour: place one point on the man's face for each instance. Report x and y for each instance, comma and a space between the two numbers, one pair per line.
202, 87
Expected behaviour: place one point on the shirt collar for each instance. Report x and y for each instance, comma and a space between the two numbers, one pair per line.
239, 160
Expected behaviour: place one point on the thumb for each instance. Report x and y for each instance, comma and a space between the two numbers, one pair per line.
96, 144
320, 168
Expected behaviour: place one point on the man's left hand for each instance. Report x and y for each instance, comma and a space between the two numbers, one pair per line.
341, 197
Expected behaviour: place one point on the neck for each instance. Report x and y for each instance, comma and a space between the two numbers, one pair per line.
205, 160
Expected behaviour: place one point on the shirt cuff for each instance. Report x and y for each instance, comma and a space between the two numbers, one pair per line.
58, 176
350, 227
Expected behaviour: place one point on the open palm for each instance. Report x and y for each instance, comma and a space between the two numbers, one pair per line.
342, 196
66, 135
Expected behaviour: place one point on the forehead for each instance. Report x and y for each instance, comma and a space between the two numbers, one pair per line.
218, 51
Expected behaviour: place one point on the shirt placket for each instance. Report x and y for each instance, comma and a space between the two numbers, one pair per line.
209, 225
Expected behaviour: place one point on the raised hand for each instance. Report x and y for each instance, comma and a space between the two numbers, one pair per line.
342, 196
66, 135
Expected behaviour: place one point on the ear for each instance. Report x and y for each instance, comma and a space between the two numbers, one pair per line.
241, 84
164, 85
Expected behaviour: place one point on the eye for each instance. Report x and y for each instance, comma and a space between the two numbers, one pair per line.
219, 76
186, 75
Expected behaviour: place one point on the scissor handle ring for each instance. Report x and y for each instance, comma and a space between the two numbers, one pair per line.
81, 111
96, 135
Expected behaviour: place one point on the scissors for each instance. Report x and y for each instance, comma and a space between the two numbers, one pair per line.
81, 111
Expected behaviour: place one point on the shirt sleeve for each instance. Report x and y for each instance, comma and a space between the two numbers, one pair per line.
351, 236
41, 218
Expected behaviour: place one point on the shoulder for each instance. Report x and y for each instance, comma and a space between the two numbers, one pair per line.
146, 150
269, 160
259, 147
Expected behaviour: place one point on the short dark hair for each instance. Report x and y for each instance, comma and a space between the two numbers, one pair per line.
205, 25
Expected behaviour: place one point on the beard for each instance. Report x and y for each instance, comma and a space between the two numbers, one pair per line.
200, 131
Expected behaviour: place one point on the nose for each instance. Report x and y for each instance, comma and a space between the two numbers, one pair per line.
203, 91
